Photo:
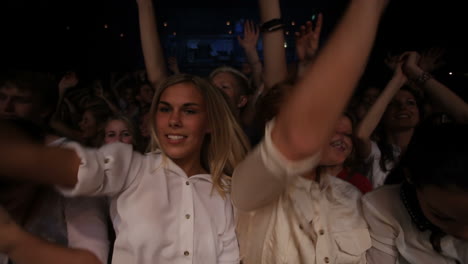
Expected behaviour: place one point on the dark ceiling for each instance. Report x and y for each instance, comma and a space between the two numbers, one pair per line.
55, 34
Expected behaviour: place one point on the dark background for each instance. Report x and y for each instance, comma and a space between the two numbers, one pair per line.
58, 35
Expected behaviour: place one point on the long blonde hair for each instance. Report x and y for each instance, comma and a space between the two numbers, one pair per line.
225, 146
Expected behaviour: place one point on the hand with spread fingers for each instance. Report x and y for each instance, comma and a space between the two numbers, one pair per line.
308, 39
251, 34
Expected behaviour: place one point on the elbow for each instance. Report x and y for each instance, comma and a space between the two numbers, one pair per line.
361, 137
361, 134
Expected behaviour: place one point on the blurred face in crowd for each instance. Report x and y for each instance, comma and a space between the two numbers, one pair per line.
366, 101
340, 145
402, 113
16, 103
181, 121
129, 95
117, 130
146, 93
445, 207
88, 125
229, 85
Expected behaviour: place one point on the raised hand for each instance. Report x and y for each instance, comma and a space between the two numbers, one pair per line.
173, 65
392, 60
398, 71
432, 59
410, 65
68, 80
251, 34
308, 40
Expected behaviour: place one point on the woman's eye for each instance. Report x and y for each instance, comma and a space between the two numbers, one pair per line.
190, 111
164, 109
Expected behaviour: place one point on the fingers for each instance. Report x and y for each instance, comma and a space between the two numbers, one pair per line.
247, 27
250, 28
318, 25
309, 27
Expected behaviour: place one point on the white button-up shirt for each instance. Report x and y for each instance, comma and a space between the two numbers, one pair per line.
292, 219
375, 173
159, 214
396, 239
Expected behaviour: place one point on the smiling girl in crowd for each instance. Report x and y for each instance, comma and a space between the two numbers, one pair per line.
171, 205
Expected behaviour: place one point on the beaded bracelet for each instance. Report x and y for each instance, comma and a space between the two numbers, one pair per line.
422, 78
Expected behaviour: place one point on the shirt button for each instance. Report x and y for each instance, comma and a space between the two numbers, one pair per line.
187, 183
186, 253
321, 232
187, 216
327, 260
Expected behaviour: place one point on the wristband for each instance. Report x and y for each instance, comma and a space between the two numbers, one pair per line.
272, 25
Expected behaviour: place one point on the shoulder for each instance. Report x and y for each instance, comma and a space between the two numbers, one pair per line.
384, 202
345, 189
384, 193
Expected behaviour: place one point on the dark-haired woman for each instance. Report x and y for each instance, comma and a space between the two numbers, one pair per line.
425, 219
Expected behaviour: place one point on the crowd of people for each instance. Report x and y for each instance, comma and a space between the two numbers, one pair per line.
271, 163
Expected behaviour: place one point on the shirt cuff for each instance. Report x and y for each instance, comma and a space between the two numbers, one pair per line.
278, 164
88, 175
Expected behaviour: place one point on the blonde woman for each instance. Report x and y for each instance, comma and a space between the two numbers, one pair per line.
171, 205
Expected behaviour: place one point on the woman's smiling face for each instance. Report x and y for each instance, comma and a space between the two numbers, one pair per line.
181, 121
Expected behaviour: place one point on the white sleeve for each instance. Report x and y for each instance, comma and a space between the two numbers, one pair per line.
265, 173
376, 175
230, 250
87, 220
104, 171
383, 233
278, 165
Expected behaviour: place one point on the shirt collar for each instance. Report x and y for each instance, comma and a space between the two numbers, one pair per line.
322, 182
167, 164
